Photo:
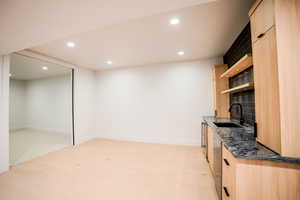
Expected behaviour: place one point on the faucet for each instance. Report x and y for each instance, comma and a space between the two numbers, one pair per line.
242, 120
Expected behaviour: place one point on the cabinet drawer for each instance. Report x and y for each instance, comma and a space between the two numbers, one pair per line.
262, 19
228, 175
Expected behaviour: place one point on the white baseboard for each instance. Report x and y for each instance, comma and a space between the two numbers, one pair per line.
79, 141
41, 130
16, 129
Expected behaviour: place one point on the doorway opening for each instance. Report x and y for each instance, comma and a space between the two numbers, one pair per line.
41, 108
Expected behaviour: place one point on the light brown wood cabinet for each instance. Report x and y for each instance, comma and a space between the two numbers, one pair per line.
260, 180
266, 91
275, 28
210, 147
221, 101
262, 19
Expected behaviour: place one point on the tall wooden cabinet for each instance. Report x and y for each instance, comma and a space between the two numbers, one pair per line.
221, 101
275, 28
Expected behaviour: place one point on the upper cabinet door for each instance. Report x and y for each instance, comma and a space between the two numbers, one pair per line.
267, 91
262, 19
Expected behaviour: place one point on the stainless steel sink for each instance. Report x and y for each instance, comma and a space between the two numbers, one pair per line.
227, 124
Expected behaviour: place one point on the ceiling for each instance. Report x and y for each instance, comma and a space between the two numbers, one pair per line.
25, 68
206, 30
25, 24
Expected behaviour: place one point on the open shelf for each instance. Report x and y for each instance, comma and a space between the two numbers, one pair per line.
243, 64
244, 87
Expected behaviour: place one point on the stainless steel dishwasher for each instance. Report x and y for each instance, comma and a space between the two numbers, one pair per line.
217, 173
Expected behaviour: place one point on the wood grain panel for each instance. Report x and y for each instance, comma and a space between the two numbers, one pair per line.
221, 102
210, 149
267, 91
288, 42
255, 180
254, 6
244, 87
228, 171
244, 63
262, 19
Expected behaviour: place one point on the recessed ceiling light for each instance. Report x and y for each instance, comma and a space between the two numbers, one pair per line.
10, 75
109, 62
71, 44
174, 21
45, 68
180, 53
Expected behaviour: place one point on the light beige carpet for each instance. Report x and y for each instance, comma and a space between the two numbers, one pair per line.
112, 170
26, 144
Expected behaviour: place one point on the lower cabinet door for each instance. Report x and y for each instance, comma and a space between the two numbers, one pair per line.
210, 148
228, 175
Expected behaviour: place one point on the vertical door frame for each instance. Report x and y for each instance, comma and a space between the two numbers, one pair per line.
73, 109
4, 112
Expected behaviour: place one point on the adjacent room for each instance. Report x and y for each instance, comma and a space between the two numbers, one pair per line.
40, 108
150, 100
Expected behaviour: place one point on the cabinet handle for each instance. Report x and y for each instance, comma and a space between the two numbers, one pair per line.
261, 35
255, 129
226, 191
226, 162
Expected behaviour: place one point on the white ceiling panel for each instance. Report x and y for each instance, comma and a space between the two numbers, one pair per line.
28, 23
206, 30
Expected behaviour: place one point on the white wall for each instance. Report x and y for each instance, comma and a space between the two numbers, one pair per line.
4, 107
49, 104
84, 105
156, 103
17, 104
42, 104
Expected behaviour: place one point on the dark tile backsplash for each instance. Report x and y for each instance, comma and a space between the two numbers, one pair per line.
239, 48
242, 78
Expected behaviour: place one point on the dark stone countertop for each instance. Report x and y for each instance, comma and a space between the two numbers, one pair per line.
242, 144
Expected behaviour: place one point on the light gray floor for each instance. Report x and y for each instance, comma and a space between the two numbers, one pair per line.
26, 144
